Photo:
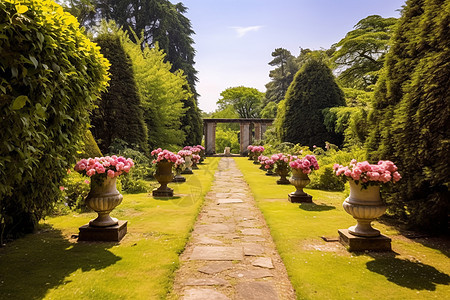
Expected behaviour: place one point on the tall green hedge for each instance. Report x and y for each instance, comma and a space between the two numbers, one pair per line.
119, 115
51, 74
410, 123
300, 118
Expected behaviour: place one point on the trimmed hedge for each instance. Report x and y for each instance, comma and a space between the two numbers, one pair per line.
51, 74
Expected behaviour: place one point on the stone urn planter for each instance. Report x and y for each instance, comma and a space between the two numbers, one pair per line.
164, 176
270, 172
103, 198
283, 173
299, 180
187, 165
365, 205
256, 154
178, 177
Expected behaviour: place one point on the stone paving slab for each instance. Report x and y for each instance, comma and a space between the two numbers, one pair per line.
206, 281
251, 273
204, 294
216, 267
256, 291
217, 253
252, 231
229, 200
264, 262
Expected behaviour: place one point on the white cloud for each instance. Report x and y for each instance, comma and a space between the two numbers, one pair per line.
241, 31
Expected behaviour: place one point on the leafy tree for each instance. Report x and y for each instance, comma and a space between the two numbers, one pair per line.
159, 21
161, 92
191, 122
119, 115
351, 120
228, 112
269, 111
300, 118
281, 76
51, 75
360, 55
245, 101
411, 114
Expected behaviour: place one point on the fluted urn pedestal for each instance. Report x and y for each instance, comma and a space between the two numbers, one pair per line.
299, 180
283, 173
103, 198
365, 205
164, 176
178, 177
188, 165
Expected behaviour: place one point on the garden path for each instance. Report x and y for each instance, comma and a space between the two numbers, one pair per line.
231, 254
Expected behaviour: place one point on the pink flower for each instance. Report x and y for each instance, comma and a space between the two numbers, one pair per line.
61, 188
87, 181
396, 176
90, 172
110, 174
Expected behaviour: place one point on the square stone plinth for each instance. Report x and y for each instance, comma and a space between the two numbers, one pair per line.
358, 243
103, 234
162, 192
300, 199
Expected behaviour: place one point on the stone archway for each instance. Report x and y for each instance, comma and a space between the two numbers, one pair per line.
246, 137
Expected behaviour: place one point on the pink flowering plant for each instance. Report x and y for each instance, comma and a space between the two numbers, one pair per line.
266, 162
306, 164
281, 162
183, 153
179, 164
195, 158
160, 155
111, 166
257, 149
385, 171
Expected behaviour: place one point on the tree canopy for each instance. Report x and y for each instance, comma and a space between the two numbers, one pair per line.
245, 101
360, 54
300, 115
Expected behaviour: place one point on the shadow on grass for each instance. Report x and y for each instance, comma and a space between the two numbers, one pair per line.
407, 273
316, 207
31, 266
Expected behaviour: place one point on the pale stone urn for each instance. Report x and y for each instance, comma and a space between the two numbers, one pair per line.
188, 165
365, 205
103, 198
164, 176
299, 180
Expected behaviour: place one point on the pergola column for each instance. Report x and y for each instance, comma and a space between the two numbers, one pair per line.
264, 128
210, 138
258, 132
245, 136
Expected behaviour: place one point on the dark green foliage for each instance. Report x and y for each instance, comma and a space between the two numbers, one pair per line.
159, 21
89, 147
119, 115
326, 179
300, 117
360, 55
50, 76
191, 123
410, 122
282, 76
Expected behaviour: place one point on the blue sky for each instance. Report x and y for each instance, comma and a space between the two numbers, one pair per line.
235, 38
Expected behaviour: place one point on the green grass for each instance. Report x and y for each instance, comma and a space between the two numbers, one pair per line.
51, 265
321, 270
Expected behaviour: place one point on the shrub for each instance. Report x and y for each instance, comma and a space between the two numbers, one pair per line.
89, 147
51, 76
300, 115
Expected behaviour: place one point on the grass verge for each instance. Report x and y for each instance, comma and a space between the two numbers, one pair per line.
416, 269
50, 264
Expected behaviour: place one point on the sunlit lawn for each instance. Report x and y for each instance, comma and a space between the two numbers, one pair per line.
52, 265
325, 270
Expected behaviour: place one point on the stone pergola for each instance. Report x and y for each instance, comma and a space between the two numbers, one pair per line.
246, 135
